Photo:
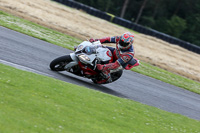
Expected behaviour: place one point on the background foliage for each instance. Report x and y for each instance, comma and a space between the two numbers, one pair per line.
179, 18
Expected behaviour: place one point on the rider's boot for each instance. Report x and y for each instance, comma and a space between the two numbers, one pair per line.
105, 69
107, 77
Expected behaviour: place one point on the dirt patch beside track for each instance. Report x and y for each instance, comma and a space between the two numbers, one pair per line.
81, 25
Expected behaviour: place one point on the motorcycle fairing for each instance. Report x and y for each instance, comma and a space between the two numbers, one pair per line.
86, 69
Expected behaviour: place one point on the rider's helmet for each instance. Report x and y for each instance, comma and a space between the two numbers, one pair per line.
125, 41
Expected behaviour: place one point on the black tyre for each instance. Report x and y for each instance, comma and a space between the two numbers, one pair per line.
116, 75
59, 63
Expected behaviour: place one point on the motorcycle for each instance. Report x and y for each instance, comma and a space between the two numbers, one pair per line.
83, 60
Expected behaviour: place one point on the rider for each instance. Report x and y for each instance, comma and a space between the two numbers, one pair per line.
122, 55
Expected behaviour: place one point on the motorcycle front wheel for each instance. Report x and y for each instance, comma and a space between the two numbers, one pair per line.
59, 63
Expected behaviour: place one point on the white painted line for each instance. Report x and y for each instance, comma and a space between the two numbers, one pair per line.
23, 68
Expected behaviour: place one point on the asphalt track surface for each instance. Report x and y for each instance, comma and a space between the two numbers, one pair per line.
31, 54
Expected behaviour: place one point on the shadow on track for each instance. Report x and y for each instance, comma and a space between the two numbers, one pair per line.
91, 85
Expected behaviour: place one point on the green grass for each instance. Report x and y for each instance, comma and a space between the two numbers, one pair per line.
168, 77
69, 42
37, 31
34, 103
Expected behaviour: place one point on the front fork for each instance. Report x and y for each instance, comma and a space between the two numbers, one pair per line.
74, 62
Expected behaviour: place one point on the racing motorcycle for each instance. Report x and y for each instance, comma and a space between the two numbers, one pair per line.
83, 60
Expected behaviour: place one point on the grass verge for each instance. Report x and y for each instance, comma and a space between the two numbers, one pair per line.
37, 31
69, 42
168, 77
34, 103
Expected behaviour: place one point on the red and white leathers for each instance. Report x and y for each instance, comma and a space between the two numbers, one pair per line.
122, 56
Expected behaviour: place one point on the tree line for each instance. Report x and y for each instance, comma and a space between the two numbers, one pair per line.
178, 18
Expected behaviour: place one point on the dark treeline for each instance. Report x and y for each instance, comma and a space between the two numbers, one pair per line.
179, 18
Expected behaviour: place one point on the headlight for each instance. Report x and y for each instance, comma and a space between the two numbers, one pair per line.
80, 47
84, 57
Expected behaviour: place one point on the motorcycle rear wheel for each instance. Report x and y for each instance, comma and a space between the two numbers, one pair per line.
59, 63
116, 75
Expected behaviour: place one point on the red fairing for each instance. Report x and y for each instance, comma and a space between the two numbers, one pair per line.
109, 53
87, 70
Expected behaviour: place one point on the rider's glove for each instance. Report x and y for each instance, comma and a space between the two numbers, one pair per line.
93, 40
